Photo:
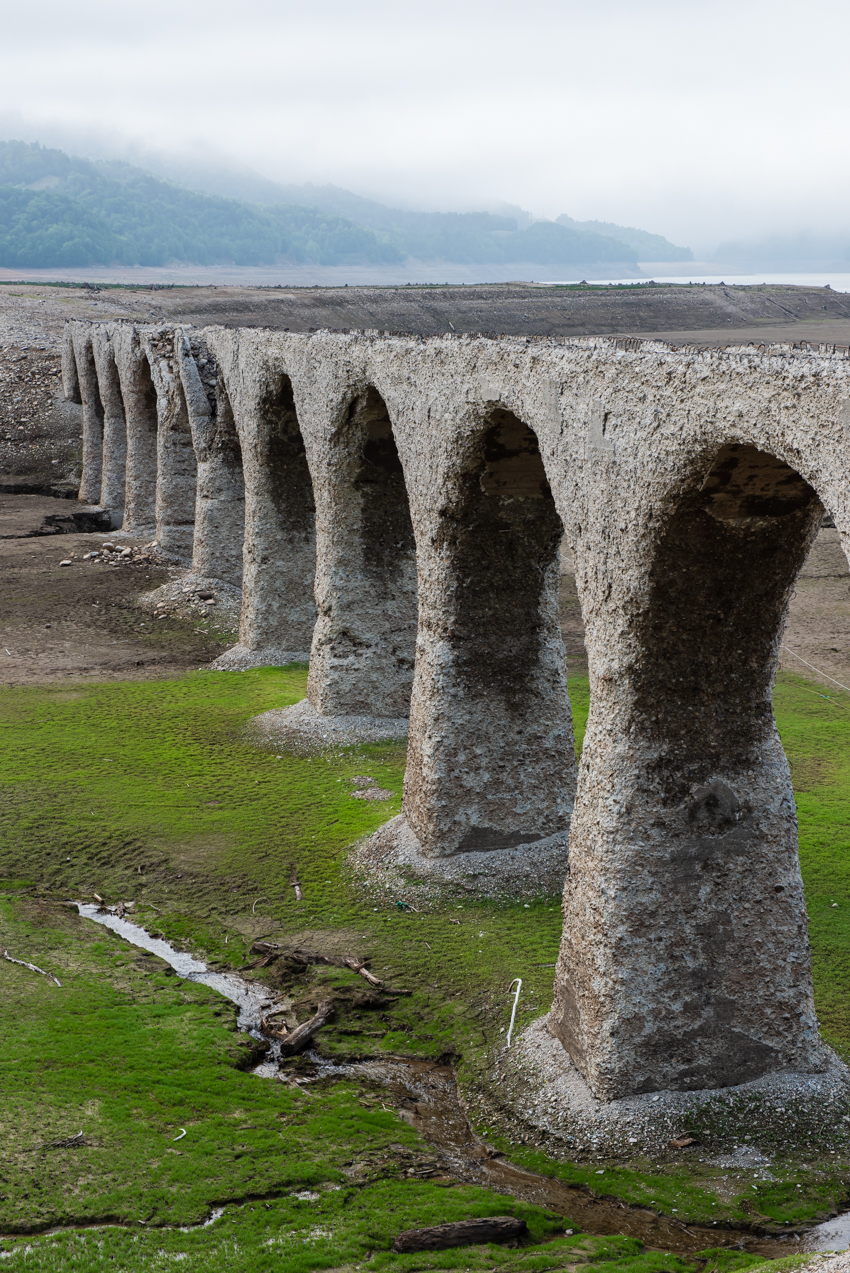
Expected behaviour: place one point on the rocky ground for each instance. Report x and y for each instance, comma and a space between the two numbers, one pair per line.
94, 618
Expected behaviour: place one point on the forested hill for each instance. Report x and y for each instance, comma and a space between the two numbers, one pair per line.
61, 210
56, 209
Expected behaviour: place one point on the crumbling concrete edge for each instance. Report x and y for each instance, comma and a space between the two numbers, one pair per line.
240, 659
391, 859
302, 727
534, 1094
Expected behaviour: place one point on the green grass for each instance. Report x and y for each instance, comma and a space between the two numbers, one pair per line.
150, 791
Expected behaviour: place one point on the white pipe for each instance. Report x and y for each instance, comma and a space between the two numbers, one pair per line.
517, 981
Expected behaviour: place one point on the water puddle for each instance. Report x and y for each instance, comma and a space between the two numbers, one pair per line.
832, 1235
426, 1097
251, 1000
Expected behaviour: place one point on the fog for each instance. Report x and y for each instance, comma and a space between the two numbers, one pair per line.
701, 121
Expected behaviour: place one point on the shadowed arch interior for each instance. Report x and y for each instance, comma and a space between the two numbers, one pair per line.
506, 537
719, 591
142, 424
280, 535
114, 475
494, 646
177, 474
378, 477
92, 474
364, 646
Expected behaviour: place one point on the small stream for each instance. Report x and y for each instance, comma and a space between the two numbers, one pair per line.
427, 1098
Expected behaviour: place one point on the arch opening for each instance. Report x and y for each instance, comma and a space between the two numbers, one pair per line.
93, 413
279, 608
140, 401
364, 644
685, 827
114, 475
493, 759
177, 475
719, 591
220, 501
507, 545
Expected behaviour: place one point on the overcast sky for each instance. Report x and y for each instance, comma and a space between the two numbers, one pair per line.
699, 119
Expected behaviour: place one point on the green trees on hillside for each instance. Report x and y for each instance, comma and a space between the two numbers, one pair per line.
58, 210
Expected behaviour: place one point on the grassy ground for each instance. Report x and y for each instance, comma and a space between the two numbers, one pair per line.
149, 791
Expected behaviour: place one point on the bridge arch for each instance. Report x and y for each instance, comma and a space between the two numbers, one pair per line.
114, 456
491, 759
140, 404
220, 494
279, 557
366, 588
685, 960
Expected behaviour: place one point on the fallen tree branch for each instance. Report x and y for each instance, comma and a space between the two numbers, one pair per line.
439, 1237
296, 1041
341, 961
33, 968
68, 1142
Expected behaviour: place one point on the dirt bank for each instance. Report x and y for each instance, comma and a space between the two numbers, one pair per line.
85, 620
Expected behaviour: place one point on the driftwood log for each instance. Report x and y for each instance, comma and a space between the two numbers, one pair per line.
462, 1233
270, 951
295, 1041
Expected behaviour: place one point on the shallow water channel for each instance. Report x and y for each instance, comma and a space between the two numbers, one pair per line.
426, 1096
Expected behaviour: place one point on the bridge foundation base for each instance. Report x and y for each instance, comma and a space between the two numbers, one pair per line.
540, 1097
393, 863
302, 727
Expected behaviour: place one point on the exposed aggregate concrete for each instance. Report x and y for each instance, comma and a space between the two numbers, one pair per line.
689, 485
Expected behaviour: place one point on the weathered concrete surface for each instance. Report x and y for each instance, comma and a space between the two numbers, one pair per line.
689, 484
220, 497
279, 557
114, 464
139, 396
82, 379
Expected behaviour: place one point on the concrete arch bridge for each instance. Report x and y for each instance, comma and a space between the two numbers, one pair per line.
395, 506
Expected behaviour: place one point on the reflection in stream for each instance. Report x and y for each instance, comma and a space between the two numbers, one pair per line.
427, 1097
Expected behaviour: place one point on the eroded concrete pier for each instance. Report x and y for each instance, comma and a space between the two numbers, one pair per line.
398, 504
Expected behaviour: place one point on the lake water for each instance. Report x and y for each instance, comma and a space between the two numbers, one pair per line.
838, 282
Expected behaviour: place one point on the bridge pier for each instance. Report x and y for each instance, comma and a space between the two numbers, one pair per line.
220, 498
491, 757
361, 661
685, 961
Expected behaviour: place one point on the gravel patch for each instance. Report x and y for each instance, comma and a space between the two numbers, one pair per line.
301, 728
392, 859
240, 659
191, 596
535, 1086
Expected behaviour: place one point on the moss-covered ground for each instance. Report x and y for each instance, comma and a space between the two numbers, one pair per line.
151, 792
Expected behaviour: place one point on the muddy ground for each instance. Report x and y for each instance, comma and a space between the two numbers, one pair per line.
87, 620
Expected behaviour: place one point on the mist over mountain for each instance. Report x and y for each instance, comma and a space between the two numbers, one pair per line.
803, 251
61, 210
649, 247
